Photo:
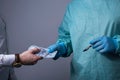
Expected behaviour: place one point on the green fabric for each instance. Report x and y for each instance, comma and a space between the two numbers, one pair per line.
83, 21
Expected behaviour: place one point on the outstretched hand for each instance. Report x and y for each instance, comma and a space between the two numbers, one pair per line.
29, 58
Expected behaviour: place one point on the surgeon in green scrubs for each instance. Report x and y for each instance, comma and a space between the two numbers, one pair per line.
94, 23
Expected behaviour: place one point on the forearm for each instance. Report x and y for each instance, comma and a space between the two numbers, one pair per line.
6, 60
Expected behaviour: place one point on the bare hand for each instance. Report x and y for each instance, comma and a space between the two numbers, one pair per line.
29, 58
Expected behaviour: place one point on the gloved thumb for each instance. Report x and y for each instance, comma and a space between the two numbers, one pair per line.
52, 48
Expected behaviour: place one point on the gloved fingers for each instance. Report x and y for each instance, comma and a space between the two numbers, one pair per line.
103, 50
99, 48
97, 44
95, 40
57, 56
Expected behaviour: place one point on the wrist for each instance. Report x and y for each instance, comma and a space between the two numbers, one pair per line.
116, 42
17, 63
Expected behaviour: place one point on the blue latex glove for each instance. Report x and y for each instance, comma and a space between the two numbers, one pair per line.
60, 47
104, 44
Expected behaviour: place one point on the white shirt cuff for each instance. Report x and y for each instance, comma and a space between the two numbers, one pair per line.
7, 60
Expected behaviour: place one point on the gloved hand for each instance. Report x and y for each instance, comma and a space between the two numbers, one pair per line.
104, 44
59, 47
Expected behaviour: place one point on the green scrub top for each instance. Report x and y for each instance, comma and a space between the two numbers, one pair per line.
83, 21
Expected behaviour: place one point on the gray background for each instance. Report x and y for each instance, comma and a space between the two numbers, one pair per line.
35, 22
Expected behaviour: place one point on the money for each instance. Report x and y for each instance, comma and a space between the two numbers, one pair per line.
43, 52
